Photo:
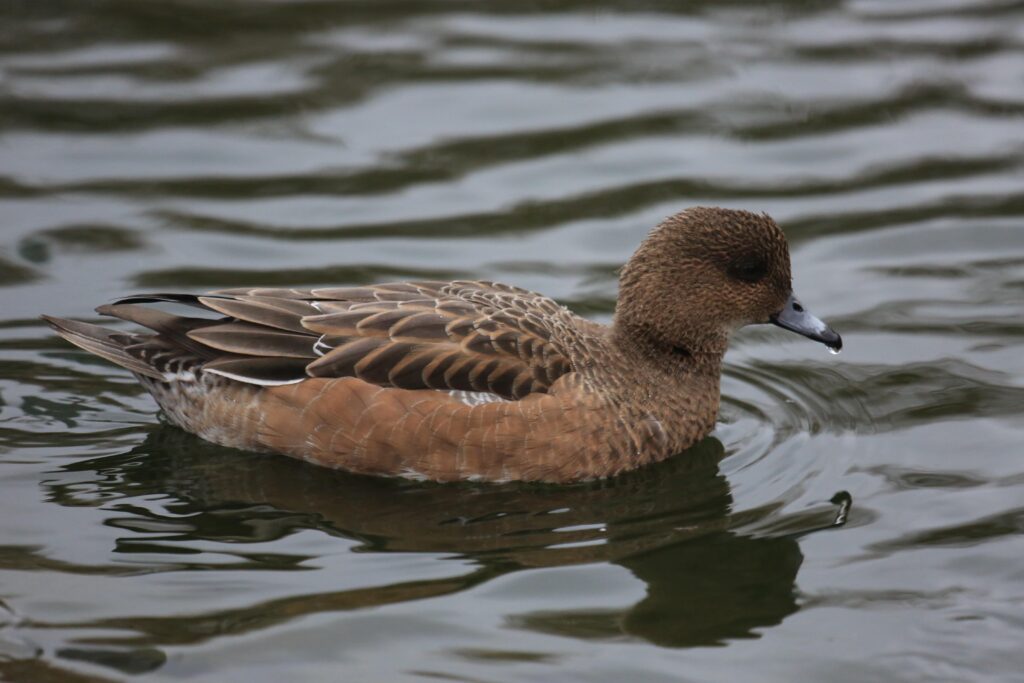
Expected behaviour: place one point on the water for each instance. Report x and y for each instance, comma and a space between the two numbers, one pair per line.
193, 145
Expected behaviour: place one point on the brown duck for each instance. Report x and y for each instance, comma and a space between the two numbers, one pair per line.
468, 380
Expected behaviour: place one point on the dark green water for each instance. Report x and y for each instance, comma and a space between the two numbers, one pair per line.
191, 145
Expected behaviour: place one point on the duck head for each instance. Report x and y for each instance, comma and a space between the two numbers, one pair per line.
704, 273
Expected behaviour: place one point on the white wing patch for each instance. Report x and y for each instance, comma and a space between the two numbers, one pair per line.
477, 398
320, 347
253, 380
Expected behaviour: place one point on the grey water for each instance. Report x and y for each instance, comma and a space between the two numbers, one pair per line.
853, 518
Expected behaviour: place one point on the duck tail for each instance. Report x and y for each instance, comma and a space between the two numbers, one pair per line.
105, 343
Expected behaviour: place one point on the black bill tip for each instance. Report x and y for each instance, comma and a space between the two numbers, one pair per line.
795, 318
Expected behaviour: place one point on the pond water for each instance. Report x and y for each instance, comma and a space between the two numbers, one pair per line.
193, 145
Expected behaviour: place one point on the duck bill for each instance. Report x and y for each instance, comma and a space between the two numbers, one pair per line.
795, 318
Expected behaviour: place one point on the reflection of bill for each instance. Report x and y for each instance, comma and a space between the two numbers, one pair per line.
670, 525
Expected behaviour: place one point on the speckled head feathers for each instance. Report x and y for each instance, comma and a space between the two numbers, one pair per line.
701, 274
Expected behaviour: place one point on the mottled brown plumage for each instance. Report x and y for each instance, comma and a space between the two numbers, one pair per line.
467, 380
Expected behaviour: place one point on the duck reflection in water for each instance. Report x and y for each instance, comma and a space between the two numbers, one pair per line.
707, 580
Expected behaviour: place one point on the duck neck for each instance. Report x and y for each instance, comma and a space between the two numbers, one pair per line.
672, 388
685, 356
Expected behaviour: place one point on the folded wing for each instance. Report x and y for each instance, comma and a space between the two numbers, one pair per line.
461, 336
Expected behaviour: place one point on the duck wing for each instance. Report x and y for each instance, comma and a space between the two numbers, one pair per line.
461, 336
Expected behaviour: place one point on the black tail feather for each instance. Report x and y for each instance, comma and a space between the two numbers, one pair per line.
165, 297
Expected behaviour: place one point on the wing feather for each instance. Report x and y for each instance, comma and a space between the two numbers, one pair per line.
280, 313
249, 339
459, 336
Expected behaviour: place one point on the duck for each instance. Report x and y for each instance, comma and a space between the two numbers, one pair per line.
467, 380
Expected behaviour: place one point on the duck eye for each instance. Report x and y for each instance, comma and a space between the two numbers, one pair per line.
748, 269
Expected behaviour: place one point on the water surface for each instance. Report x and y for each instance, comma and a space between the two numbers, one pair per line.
193, 145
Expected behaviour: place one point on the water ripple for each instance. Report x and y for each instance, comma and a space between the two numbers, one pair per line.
296, 142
